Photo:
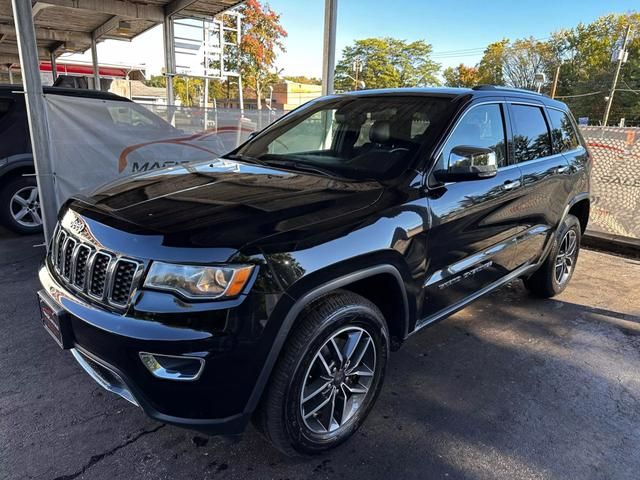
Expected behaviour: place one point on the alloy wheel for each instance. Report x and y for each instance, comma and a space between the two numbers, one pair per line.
566, 258
25, 207
338, 380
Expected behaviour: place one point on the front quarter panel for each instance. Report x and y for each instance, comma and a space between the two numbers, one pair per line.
394, 236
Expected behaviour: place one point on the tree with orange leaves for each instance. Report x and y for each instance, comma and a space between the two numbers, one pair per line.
262, 37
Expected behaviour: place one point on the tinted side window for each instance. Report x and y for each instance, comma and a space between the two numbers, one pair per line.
530, 133
562, 132
482, 126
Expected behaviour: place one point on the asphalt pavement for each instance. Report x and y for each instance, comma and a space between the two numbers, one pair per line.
511, 387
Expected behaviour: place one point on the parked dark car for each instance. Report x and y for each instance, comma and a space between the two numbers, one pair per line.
271, 285
19, 202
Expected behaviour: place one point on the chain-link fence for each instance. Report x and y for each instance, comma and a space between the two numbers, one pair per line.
198, 119
615, 206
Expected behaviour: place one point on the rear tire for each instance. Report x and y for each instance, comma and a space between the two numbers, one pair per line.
20, 206
556, 271
310, 372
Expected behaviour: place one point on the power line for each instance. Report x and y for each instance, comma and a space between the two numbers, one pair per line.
578, 95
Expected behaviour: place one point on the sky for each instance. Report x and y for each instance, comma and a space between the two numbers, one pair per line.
457, 29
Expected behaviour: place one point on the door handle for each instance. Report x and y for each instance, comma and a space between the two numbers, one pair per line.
562, 169
511, 184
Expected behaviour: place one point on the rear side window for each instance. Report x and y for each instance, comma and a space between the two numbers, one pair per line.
562, 132
531, 137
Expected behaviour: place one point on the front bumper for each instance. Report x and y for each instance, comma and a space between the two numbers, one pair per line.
107, 346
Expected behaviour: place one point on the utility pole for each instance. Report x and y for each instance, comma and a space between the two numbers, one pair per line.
357, 68
554, 86
621, 58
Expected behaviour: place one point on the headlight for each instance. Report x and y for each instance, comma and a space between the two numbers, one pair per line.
199, 282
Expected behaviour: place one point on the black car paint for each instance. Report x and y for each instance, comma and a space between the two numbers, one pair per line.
438, 247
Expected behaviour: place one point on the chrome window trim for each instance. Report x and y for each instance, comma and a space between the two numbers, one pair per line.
455, 126
541, 105
580, 147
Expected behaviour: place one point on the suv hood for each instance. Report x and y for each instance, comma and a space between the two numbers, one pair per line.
222, 204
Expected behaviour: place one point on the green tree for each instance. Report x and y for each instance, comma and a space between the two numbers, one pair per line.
304, 79
186, 89
492, 63
262, 38
523, 59
461, 76
586, 69
387, 62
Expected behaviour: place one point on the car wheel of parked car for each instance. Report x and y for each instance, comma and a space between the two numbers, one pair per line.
20, 206
328, 376
554, 274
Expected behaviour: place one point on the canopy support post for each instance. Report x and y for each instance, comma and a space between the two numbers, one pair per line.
36, 113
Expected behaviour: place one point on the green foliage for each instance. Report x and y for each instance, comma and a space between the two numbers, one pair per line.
387, 62
303, 79
461, 76
157, 81
262, 37
491, 65
584, 56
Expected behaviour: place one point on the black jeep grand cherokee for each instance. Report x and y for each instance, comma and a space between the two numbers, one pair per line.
271, 284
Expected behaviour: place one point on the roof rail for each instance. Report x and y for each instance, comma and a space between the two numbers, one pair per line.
506, 89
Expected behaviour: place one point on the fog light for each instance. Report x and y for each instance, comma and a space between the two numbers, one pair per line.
173, 367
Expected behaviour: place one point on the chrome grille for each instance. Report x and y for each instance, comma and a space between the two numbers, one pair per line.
102, 275
99, 274
80, 270
122, 280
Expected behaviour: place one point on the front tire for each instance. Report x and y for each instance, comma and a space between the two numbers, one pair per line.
556, 271
328, 377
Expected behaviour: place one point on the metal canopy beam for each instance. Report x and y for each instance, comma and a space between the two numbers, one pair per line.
107, 27
177, 6
37, 113
50, 35
120, 8
9, 59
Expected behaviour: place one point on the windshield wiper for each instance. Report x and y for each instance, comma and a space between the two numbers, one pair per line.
276, 162
246, 158
305, 167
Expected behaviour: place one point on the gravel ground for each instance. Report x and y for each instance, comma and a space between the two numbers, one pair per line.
511, 387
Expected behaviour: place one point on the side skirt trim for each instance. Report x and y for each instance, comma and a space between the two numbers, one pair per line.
523, 270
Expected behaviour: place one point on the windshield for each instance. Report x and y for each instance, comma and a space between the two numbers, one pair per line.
356, 137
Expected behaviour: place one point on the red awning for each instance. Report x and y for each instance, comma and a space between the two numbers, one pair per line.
75, 69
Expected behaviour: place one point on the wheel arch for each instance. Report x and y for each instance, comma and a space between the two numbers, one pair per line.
357, 280
17, 166
580, 208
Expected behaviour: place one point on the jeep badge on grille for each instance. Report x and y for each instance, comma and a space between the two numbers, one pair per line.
77, 225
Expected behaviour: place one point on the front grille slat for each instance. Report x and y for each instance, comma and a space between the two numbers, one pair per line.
99, 274
123, 281
67, 258
80, 270
103, 276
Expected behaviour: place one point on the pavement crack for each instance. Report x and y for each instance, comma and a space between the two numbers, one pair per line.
101, 456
